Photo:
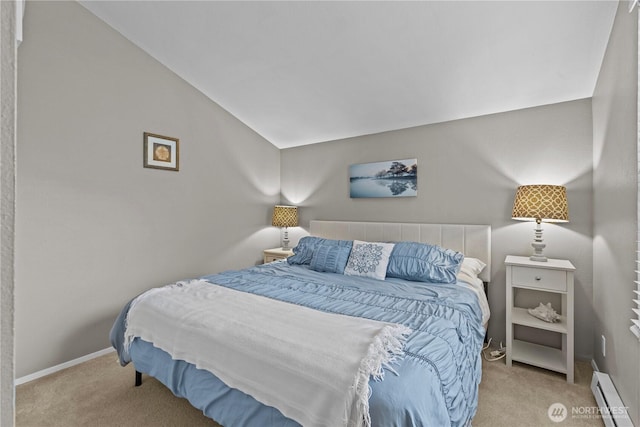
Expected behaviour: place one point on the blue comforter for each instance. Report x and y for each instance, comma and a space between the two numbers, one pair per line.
436, 382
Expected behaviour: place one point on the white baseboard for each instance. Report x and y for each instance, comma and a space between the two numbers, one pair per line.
594, 366
62, 366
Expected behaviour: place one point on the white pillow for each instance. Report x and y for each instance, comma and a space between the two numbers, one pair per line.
368, 259
469, 271
472, 266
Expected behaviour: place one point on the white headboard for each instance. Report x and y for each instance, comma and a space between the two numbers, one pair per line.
472, 240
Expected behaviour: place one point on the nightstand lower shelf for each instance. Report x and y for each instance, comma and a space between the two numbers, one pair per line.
521, 316
539, 355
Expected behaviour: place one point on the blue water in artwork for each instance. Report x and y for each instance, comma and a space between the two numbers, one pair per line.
384, 187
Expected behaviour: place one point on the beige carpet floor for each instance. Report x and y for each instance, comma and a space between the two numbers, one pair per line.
100, 393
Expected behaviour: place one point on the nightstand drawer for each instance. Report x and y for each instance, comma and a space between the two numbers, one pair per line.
270, 255
271, 258
539, 278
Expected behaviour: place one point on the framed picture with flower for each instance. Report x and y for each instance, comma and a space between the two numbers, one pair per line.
161, 152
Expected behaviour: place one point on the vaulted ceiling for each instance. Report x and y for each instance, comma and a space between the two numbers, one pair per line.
312, 71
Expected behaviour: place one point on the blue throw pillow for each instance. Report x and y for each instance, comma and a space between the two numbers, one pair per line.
421, 262
330, 258
303, 252
306, 247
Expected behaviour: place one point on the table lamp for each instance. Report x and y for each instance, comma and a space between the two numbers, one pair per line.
540, 203
285, 216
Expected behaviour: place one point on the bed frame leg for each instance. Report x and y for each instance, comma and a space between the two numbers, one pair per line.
138, 378
485, 286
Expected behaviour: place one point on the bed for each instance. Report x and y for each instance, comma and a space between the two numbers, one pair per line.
434, 381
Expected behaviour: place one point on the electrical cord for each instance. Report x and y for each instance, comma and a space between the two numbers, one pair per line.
494, 354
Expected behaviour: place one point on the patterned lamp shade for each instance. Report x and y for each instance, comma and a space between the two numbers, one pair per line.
285, 216
541, 203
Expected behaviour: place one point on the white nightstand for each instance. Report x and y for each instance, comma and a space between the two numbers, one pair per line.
554, 276
275, 254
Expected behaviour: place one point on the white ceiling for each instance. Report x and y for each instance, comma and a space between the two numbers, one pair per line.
306, 72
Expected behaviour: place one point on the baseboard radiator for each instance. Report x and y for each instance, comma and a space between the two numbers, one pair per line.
612, 410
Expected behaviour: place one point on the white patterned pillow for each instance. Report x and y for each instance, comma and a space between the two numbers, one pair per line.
368, 259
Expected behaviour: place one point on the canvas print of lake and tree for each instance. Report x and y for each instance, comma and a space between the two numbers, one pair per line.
392, 178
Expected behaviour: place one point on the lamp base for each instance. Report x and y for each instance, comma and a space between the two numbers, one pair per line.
541, 258
285, 240
538, 246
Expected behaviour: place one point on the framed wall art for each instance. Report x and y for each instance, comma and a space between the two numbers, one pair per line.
392, 178
161, 152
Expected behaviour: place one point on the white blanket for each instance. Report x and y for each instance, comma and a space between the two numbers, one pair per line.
312, 366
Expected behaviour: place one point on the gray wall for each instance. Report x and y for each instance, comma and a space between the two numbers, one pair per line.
8, 72
468, 173
615, 134
94, 228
